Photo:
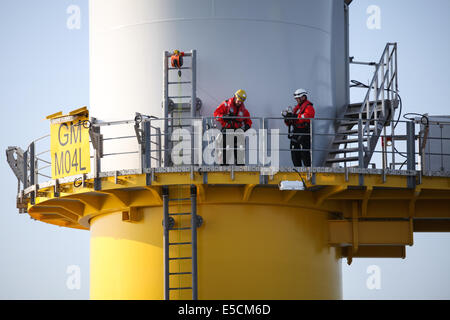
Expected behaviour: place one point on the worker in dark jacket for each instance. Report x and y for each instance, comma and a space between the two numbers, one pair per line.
299, 119
233, 115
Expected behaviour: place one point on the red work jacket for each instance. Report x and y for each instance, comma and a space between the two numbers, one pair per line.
229, 108
303, 113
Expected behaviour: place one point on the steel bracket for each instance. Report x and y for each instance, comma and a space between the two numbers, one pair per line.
14, 156
56, 189
199, 221
170, 223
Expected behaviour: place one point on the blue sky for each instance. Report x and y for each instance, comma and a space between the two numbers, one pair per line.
44, 68
422, 31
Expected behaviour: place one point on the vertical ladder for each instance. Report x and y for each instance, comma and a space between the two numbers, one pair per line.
171, 225
188, 108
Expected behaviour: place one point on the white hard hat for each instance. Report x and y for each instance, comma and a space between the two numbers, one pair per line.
300, 92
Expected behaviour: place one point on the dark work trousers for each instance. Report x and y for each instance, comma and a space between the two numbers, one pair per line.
301, 142
238, 158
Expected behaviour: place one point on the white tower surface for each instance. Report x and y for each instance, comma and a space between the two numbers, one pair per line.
267, 47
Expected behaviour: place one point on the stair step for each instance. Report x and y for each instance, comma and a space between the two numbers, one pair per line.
348, 122
352, 115
181, 258
352, 131
343, 159
344, 150
356, 114
348, 141
355, 106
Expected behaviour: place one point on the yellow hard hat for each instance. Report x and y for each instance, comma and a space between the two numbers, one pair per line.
241, 95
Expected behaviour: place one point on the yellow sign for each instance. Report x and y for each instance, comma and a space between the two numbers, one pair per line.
69, 146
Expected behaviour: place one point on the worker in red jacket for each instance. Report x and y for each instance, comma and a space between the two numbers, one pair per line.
233, 115
299, 119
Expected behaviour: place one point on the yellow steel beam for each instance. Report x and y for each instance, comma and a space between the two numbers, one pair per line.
369, 233
375, 252
248, 191
73, 206
432, 208
156, 194
288, 195
55, 210
51, 217
377, 199
323, 194
365, 200
431, 225
122, 196
428, 194
133, 214
201, 192
388, 208
92, 201
54, 115
55, 219
412, 202
355, 226
350, 194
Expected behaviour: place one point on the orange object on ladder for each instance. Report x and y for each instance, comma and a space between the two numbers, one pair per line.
177, 60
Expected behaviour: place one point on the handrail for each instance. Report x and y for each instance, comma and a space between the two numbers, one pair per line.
152, 152
377, 68
375, 78
385, 79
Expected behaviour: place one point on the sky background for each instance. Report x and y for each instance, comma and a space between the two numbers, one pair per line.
44, 68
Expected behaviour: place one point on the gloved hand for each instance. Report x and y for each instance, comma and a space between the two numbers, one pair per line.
246, 127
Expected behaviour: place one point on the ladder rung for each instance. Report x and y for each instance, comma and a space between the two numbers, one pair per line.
177, 273
179, 199
186, 228
172, 97
180, 82
182, 288
182, 68
180, 214
179, 243
179, 108
181, 258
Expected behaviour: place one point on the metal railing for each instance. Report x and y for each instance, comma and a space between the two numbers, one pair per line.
380, 101
410, 147
386, 71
